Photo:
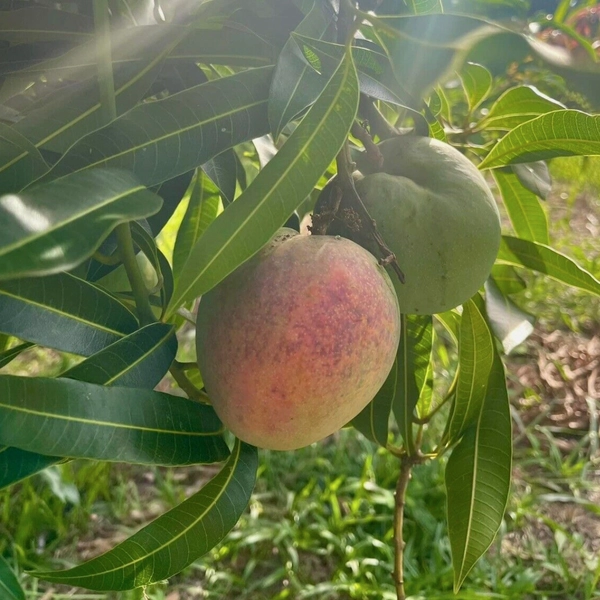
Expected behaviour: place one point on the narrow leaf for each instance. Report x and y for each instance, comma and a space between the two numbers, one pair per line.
518, 105
559, 133
278, 189
7, 356
10, 588
478, 477
159, 140
477, 83
63, 312
201, 211
177, 538
526, 214
424, 7
475, 357
64, 417
17, 464
222, 170
55, 226
541, 258
535, 177
507, 279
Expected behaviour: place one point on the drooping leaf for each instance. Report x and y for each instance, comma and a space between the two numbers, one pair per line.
558, 133
541, 258
249, 223
10, 588
64, 417
17, 464
222, 170
475, 357
160, 140
7, 356
17, 172
63, 312
175, 539
202, 210
507, 279
477, 83
55, 226
518, 105
510, 324
139, 360
296, 85
478, 477
414, 356
526, 214
535, 177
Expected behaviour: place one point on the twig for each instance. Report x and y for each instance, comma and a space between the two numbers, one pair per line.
104, 56
193, 393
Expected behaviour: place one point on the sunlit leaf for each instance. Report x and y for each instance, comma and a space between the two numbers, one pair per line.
477, 83
478, 477
559, 133
245, 226
55, 226
63, 312
175, 539
541, 258
507, 279
526, 214
64, 417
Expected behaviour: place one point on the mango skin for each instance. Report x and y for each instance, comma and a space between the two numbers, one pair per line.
437, 214
298, 340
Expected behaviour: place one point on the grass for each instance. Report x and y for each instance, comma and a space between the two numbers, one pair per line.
320, 521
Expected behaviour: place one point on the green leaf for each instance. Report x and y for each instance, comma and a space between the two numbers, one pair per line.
159, 140
175, 539
526, 214
535, 177
139, 360
424, 7
414, 357
510, 324
373, 420
17, 464
222, 170
10, 588
20, 160
63, 312
507, 279
475, 357
245, 226
64, 417
39, 24
541, 258
201, 211
518, 105
56, 226
7, 356
477, 83
296, 85
559, 133
425, 49
478, 477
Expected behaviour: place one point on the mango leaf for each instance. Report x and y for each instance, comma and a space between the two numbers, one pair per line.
162, 139
201, 211
507, 279
477, 83
56, 226
424, 7
450, 320
510, 324
222, 170
541, 258
10, 588
175, 539
7, 356
535, 177
63, 312
39, 24
559, 133
518, 105
296, 85
478, 477
373, 420
139, 361
425, 49
64, 417
15, 172
526, 214
475, 357
245, 226
414, 356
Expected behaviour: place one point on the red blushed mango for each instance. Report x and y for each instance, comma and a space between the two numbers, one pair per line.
298, 340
